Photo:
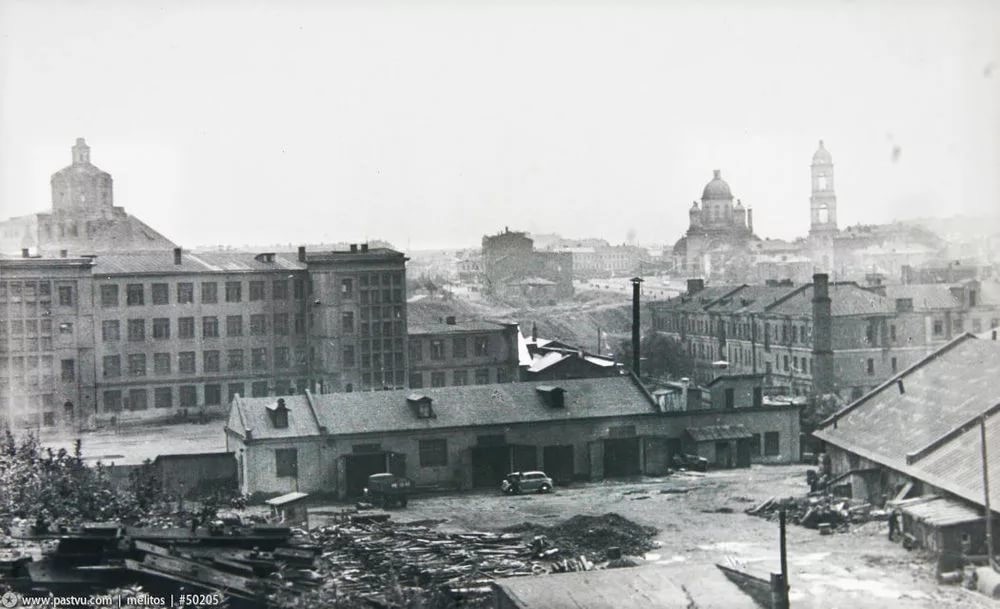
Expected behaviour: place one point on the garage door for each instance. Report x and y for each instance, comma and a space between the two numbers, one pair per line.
557, 461
489, 465
621, 457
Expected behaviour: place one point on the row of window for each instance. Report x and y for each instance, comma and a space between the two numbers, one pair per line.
136, 294
211, 362
459, 348
772, 444
187, 396
210, 327
14, 292
480, 376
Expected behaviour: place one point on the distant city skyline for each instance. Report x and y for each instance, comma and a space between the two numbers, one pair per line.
431, 125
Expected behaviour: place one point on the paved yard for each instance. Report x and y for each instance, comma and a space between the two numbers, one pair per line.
856, 569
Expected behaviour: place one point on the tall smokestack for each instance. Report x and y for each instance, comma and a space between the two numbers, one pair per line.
636, 285
822, 371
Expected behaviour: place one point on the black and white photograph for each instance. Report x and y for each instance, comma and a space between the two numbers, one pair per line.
567, 304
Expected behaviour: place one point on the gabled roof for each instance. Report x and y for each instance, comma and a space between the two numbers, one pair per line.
699, 301
924, 421
924, 296
846, 299
463, 406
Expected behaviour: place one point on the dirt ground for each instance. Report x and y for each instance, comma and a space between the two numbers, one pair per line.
701, 522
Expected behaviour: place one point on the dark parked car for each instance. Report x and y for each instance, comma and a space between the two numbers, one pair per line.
526, 482
692, 462
388, 490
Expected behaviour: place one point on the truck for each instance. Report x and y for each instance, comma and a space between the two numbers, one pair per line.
388, 490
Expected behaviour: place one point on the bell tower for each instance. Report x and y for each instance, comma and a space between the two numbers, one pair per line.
823, 202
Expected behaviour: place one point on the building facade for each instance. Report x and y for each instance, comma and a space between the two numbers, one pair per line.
514, 269
47, 355
472, 436
170, 334
456, 352
820, 337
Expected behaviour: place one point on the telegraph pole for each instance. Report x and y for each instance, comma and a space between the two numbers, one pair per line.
986, 496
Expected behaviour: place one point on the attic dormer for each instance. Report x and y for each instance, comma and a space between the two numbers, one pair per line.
553, 396
421, 405
278, 413
265, 257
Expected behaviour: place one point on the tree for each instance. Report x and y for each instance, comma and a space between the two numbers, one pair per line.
661, 356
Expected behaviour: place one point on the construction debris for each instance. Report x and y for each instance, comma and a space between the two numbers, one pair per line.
360, 556
827, 513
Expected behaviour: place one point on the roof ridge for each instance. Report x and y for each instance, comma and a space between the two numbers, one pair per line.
919, 454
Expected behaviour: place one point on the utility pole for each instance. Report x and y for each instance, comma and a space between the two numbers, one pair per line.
986, 496
779, 581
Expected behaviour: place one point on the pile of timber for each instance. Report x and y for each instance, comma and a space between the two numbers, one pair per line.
247, 563
822, 511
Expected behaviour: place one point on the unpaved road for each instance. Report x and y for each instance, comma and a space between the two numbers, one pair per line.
857, 569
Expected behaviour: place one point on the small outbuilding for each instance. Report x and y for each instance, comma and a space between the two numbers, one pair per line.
289, 508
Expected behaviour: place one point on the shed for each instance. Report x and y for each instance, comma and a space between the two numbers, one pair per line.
290, 508
724, 446
940, 524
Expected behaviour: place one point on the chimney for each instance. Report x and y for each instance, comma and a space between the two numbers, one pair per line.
24, 252
302, 253
63, 253
534, 332
450, 320
636, 286
364, 247
822, 335
354, 248
695, 286
177, 255
750, 219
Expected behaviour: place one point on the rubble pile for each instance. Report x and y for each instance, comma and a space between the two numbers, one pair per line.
591, 536
825, 512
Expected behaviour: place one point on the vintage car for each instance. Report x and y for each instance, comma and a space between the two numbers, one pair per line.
526, 482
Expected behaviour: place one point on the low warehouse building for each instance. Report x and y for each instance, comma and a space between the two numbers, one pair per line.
921, 434
470, 436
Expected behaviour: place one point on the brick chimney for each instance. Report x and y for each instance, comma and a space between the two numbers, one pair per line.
177, 255
822, 367
302, 253
636, 355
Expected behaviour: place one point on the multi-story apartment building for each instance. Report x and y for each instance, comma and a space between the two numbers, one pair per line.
181, 330
357, 319
455, 352
152, 334
46, 340
818, 337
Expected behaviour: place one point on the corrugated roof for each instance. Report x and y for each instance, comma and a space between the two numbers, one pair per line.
941, 393
924, 296
710, 433
939, 511
464, 406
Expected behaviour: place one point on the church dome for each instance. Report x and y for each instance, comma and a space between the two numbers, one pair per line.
717, 188
822, 156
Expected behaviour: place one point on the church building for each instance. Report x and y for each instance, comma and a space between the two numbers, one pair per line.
718, 235
83, 218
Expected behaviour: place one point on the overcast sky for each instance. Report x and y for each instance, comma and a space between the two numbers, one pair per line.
429, 124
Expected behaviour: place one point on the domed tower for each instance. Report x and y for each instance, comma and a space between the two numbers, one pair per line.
823, 202
82, 189
717, 202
